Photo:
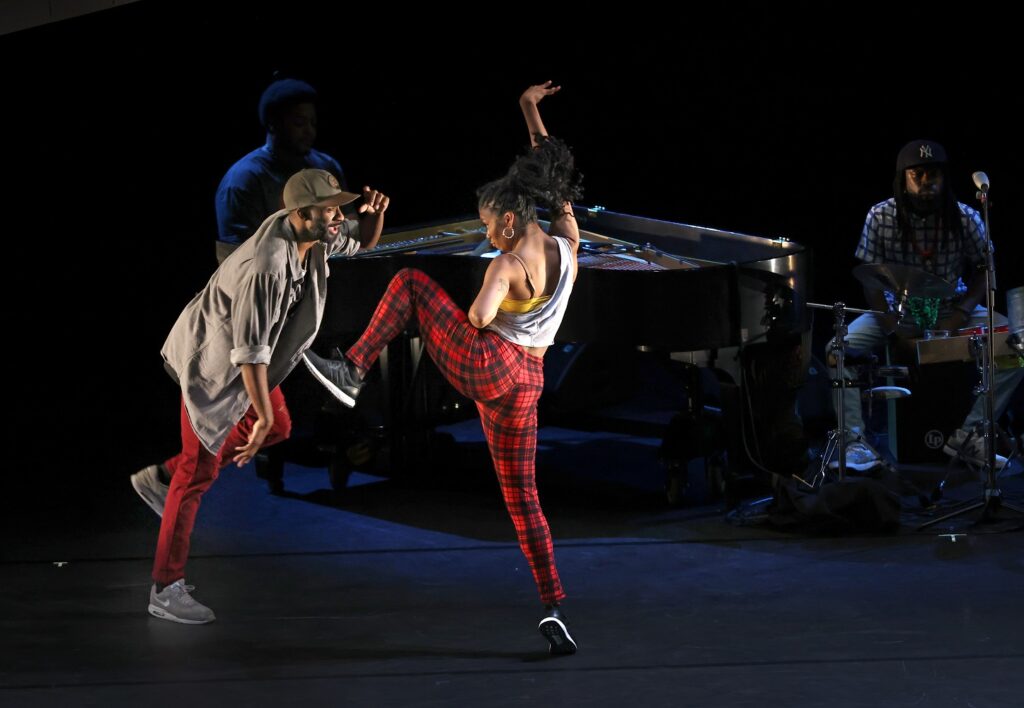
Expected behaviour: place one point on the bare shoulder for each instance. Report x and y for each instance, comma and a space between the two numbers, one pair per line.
505, 266
504, 260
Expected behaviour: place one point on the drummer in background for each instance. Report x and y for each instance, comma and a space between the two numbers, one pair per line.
925, 227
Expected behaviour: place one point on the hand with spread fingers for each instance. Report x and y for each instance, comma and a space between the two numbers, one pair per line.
257, 437
534, 94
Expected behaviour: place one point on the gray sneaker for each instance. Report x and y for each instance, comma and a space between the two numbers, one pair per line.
973, 452
147, 485
337, 375
859, 457
175, 604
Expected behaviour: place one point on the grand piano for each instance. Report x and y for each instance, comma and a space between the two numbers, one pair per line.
702, 294
643, 281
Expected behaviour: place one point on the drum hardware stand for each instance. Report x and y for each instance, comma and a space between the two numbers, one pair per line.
837, 438
991, 499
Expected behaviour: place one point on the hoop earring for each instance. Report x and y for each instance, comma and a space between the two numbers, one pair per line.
508, 236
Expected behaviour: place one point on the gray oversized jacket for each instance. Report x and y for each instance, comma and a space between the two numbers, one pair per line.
259, 307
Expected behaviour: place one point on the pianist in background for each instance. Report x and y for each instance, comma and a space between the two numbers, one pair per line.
493, 354
229, 351
924, 226
251, 189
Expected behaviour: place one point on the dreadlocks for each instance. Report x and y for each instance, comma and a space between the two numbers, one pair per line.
948, 212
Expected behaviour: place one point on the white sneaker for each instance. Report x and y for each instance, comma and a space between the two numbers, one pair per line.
175, 604
147, 485
973, 452
859, 457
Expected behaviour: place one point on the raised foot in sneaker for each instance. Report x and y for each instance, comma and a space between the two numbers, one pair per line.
338, 376
174, 603
554, 629
146, 483
971, 451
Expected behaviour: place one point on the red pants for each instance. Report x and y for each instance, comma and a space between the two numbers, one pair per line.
192, 472
504, 381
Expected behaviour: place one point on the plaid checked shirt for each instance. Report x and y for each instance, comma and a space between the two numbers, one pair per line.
880, 242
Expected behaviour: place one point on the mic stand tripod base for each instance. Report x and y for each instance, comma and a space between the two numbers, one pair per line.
990, 503
991, 500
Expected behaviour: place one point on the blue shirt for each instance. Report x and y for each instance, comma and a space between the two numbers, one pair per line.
252, 189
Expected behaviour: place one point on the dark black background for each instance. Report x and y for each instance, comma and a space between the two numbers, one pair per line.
120, 124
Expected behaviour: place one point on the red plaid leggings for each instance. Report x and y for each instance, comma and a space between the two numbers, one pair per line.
504, 381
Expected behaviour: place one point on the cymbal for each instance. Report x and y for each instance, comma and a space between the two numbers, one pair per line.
900, 278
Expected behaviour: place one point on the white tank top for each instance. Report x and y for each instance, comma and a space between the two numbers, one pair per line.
537, 328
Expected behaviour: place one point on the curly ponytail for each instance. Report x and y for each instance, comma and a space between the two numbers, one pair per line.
546, 176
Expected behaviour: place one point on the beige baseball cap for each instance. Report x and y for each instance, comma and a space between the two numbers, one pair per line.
315, 188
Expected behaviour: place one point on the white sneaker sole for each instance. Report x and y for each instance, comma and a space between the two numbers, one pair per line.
329, 385
154, 503
955, 454
857, 467
164, 614
558, 637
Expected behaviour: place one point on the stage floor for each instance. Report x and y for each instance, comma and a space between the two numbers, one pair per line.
413, 592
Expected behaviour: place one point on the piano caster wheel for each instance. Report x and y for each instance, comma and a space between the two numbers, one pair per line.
270, 469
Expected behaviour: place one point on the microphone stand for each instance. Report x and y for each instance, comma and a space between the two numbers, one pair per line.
991, 500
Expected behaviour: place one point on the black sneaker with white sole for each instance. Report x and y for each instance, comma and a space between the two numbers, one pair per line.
554, 629
338, 376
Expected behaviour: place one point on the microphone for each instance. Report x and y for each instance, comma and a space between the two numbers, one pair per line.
980, 181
